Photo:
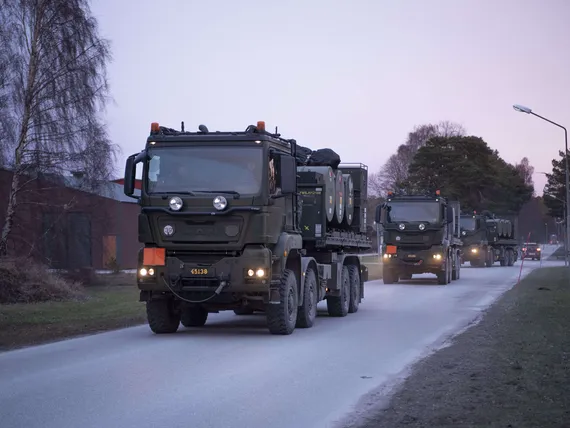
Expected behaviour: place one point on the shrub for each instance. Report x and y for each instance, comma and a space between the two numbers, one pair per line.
24, 281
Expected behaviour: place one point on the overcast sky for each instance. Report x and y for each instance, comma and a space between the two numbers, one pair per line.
354, 75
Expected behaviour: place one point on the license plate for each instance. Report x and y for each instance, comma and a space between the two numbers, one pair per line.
412, 256
199, 271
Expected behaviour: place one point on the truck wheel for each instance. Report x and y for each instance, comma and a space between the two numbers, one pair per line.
337, 306
281, 318
510, 258
456, 269
443, 276
388, 276
489, 258
354, 274
308, 310
163, 317
194, 316
243, 311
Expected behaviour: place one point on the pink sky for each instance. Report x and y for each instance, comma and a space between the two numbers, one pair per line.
352, 75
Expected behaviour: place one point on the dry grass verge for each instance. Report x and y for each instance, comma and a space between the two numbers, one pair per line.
105, 307
510, 370
23, 281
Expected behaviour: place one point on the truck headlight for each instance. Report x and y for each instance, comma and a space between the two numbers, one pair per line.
258, 273
146, 272
220, 203
422, 226
175, 203
437, 256
401, 226
474, 250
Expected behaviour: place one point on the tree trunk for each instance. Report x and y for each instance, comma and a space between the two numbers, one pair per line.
22, 140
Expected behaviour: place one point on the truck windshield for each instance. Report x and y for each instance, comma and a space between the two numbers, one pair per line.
468, 223
414, 211
207, 169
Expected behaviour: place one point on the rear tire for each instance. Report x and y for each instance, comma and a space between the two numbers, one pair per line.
337, 306
354, 274
163, 316
307, 312
388, 276
194, 316
443, 277
282, 317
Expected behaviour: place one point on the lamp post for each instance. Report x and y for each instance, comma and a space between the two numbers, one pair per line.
523, 109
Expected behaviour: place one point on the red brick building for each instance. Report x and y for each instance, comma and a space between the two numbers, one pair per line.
68, 228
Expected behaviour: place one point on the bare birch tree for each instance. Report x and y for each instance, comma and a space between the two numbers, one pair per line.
395, 171
55, 91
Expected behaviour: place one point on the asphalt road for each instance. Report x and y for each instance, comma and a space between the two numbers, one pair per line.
233, 373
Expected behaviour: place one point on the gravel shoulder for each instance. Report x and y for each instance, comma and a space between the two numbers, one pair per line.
512, 369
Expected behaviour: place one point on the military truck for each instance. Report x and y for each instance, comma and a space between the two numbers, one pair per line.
488, 239
245, 221
421, 235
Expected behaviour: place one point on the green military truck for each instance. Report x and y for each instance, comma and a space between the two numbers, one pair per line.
420, 235
488, 239
246, 221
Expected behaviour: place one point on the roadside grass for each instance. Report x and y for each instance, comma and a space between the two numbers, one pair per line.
110, 303
510, 370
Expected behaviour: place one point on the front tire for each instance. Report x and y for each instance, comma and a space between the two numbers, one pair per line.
282, 317
163, 316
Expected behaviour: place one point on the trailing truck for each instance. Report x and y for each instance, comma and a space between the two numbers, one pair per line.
246, 221
421, 235
488, 239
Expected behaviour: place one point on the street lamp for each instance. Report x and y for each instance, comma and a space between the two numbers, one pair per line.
523, 109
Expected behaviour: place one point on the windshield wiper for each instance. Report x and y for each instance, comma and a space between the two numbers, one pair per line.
181, 192
230, 192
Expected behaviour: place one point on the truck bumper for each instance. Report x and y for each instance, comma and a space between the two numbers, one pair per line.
416, 262
193, 274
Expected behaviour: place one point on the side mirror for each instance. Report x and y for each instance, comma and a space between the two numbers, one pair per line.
287, 174
450, 214
130, 171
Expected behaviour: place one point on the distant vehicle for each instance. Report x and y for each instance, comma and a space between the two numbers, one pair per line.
531, 251
553, 240
488, 239
421, 235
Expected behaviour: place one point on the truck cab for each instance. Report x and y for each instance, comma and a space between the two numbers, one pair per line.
420, 234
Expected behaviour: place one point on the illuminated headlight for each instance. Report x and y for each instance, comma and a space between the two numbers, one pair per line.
437, 256
175, 203
387, 256
168, 230
220, 203
464, 233
474, 250
401, 226
422, 226
146, 272
538, 249
260, 273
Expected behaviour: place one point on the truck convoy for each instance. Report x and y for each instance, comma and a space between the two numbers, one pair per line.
421, 235
246, 221
488, 239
